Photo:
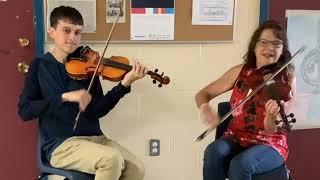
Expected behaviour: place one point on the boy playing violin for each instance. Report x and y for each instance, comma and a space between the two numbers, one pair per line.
55, 99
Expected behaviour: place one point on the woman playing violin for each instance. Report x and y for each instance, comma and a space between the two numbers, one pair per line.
253, 143
55, 99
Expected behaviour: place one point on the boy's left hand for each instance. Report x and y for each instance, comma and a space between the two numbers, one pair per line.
138, 71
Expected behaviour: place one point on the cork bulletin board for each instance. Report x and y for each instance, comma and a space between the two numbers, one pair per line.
184, 31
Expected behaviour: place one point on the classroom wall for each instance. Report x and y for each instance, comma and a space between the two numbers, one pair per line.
169, 113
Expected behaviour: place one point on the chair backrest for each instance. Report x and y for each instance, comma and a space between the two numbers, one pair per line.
42, 162
223, 108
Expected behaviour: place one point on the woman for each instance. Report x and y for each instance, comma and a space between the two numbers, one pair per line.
253, 143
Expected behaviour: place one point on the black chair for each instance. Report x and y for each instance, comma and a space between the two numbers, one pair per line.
280, 173
46, 169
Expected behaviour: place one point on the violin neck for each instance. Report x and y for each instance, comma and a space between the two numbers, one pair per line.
119, 65
281, 112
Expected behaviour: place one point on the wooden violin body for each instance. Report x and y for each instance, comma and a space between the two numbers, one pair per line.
83, 65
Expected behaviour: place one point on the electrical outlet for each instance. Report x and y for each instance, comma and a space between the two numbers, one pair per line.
154, 147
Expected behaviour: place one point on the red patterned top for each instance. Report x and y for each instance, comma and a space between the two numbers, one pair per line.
247, 127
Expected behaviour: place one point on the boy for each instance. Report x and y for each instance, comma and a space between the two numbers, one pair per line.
55, 99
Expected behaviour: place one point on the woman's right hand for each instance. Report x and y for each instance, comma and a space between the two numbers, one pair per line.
208, 116
82, 97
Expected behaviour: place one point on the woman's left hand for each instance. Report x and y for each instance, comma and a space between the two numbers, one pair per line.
272, 112
272, 109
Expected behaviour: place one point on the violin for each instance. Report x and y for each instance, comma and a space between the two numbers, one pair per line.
278, 89
83, 62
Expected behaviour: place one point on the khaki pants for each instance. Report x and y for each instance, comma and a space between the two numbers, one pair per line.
97, 155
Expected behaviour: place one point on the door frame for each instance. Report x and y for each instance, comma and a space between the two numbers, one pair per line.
38, 11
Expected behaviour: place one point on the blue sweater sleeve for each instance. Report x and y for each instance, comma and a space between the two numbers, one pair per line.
31, 104
100, 104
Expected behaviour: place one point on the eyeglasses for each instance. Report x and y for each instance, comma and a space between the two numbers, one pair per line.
266, 43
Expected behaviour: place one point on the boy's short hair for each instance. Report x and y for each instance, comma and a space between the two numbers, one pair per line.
67, 14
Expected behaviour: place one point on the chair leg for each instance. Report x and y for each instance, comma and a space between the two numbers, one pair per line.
39, 177
42, 175
290, 176
46, 176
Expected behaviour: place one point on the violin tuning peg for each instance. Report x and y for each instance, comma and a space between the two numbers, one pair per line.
156, 70
162, 74
291, 115
160, 85
293, 120
154, 81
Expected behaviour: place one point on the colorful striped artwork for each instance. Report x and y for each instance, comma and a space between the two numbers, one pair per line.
152, 11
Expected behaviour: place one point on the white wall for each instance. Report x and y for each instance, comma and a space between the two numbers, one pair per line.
169, 113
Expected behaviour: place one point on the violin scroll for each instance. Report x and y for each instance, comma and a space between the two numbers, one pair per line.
286, 123
160, 78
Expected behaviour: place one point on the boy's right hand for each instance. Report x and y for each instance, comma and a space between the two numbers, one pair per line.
82, 97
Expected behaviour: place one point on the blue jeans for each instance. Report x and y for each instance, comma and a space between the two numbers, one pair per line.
224, 158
